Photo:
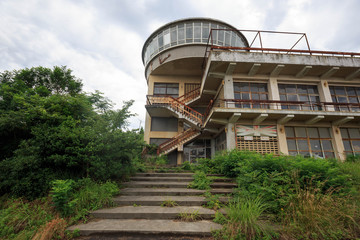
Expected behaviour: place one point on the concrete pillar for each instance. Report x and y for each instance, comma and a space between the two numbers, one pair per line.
273, 90
338, 143
283, 148
180, 157
212, 144
229, 90
147, 128
324, 94
230, 136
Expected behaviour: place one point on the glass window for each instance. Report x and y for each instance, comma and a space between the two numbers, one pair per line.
351, 140
315, 142
171, 89
250, 91
299, 93
289, 131
340, 94
291, 144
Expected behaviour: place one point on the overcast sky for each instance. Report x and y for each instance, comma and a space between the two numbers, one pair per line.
101, 40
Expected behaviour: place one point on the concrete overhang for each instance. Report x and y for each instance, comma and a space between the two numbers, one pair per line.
276, 116
282, 66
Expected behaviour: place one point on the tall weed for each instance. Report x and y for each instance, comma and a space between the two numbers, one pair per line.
201, 181
312, 214
242, 220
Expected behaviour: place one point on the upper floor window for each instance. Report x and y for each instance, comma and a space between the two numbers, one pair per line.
250, 91
171, 89
340, 94
351, 140
299, 93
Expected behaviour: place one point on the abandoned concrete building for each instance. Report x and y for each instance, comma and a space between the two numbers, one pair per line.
210, 89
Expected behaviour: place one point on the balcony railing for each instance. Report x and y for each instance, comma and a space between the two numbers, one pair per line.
189, 96
287, 105
176, 106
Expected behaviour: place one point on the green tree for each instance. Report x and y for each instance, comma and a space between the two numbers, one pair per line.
50, 129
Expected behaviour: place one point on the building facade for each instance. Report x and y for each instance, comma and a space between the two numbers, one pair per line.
210, 90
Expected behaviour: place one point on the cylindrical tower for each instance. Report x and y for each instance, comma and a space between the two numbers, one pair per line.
173, 57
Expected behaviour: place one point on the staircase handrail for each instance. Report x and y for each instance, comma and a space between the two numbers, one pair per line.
176, 140
189, 95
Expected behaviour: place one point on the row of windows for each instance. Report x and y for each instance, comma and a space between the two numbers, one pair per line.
297, 93
307, 141
191, 32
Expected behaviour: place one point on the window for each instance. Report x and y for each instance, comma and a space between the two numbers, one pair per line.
164, 124
191, 32
309, 142
171, 89
351, 140
340, 94
251, 91
299, 93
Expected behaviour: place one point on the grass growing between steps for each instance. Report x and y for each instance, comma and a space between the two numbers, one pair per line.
169, 203
190, 216
47, 218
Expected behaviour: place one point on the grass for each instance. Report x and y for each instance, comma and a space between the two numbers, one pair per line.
45, 220
190, 216
243, 220
169, 203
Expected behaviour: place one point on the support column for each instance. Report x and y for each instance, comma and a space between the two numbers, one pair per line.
338, 143
229, 90
212, 144
230, 136
283, 148
324, 94
273, 90
180, 157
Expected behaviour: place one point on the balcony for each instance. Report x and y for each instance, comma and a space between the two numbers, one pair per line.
257, 111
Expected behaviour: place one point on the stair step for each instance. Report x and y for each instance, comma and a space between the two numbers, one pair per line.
161, 192
171, 191
164, 174
152, 212
158, 200
136, 226
142, 184
161, 179
223, 185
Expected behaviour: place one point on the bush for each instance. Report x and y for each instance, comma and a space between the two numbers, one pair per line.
201, 181
81, 197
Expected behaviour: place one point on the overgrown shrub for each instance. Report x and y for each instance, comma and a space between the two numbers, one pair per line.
81, 197
201, 181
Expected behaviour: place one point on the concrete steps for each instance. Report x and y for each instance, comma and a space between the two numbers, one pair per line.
171, 191
122, 227
158, 200
152, 212
139, 212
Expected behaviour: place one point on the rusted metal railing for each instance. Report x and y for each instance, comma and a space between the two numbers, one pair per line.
178, 139
288, 105
189, 96
177, 107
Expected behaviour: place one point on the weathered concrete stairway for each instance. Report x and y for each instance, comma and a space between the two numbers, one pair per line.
139, 211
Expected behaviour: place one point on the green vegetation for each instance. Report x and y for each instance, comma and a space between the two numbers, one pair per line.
59, 149
169, 203
289, 197
201, 181
40, 219
190, 216
212, 201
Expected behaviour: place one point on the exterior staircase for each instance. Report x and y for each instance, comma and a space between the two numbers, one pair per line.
179, 140
139, 212
178, 106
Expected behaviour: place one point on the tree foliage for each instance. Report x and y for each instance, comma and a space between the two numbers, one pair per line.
50, 129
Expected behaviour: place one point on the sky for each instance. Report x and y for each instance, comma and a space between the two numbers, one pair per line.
102, 40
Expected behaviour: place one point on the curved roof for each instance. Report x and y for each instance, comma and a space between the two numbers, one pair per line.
184, 20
